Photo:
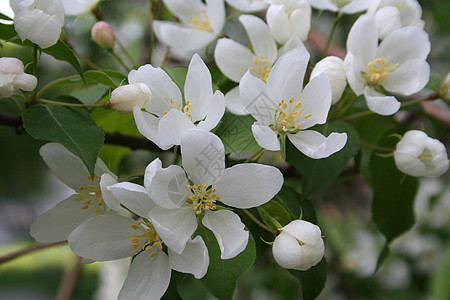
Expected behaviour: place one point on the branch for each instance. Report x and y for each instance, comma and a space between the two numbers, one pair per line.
27, 250
111, 138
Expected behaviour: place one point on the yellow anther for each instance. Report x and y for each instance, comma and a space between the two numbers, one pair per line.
152, 254
190, 187
135, 240
134, 226
135, 246
198, 212
307, 116
206, 195
85, 207
201, 21
213, 195
165, 112
97, 210
217, 198
378, 70
186, 203
204, 185
81, 188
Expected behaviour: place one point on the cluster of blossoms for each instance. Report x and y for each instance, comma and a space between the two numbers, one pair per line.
157, 222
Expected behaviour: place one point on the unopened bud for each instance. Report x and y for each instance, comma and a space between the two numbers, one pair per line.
444, 92
299, 246
103, 34
126, 97
12, 77
333, 67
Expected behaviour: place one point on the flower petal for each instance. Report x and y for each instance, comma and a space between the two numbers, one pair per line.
381, 104
316, 99
353, 69
228, 230
409, 78
362, 40
355, 6
260, 37
133, 196
148, 277
286, 77
174, 226
234, 103
57, 223
110, 200
147, 125
216, 14
324, 5
172, 126
249, 185
266, 137
278, 21
248, 5
194, 259
315, 145
300, 21
216, 109
105, 237
232, 58
203, 156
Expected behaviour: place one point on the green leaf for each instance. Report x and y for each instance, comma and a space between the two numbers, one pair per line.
236, 133
61, 51
318, 173
172, 290
223, 273
393, 194
440, 289
290, 200
7, 31
5, 17
100, 77
178, 75
276, 211
383, 255
71, 127
312, 280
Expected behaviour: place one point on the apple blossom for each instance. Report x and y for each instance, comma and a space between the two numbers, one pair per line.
409, 12
103, 34
200, 24
248, 5
419, 155
282, 108
13, 77
78, 7
299, 246
396, 65
181, 199
126, 97
333, 67
167, 116
234, 59
342, 6
39, 21
289, 18
91, 197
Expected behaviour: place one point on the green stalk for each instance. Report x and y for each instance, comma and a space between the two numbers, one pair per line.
330, 36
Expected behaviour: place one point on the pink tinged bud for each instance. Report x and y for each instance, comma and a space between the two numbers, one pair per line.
126, 97
333, 67
445, 88
12, 77
299, 246
103, 34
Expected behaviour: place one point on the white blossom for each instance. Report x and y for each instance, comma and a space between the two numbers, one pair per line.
299, 246
39, 21
342, 6
248, 5
333, 67
78, 7
13, 77
419, 155
126, 97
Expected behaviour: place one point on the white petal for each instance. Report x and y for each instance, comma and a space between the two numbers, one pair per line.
203, 156
105, 237
216, 109
300, 21
216, 14
248, 5
278, 21
174, 226
316, 99
381, 104
293, 42
355, 6
315, 145
286, 77
266, 137
405, 44
172, 126
260, 37
133, 196
58, 222
232, 58
228, 230
249, 185
168, 186
256, 99
161, 85
180, 37
147, 125
362, 40
194, 259
353, 69
24, 81
198, 87
110, 200
148, 277
185, 10
234, 103
324, 5
388, 20
409, 78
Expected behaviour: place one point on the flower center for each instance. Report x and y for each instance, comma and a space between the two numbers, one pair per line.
288, 116
427, 158
148, 238
341, 3
187, 109
202, 198
262, 67
201, 21
378, 70
87, 191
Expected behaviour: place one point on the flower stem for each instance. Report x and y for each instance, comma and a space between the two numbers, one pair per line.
27, 250
377, 147
54, 83
258, 153
260, 224
124, 50
117, 57
330, 36
68, 104
166, 56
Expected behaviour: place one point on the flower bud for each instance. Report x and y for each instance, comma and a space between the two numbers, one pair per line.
333, 67
103, 34
125, 97
444, 92
419, 155
12, 77
299, 246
